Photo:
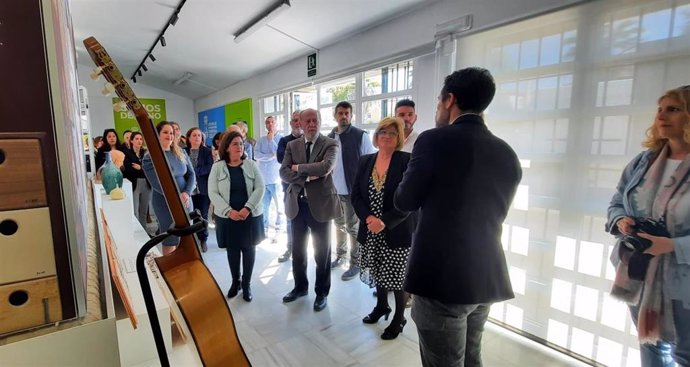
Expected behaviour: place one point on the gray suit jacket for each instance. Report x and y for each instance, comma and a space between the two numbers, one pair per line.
321, 195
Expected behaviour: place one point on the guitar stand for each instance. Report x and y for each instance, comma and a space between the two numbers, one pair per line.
198, 225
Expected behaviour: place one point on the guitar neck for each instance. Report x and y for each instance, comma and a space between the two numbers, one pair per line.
148, 130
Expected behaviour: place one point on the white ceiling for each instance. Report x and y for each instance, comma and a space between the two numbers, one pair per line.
202, 41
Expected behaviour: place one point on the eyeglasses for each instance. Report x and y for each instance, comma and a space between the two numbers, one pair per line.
391, 134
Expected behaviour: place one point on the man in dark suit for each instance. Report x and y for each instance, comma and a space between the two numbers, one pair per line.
311, 203
463, 178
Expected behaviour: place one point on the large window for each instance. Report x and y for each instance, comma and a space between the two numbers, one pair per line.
576, 90
382, 88
329, 96
373, 95
274, 106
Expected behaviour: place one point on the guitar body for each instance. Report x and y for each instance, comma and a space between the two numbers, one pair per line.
196, 292
207, 317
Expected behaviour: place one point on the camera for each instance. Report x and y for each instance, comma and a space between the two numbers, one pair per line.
645, 225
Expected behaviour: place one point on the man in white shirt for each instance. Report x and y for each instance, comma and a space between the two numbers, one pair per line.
405, 110
266, 155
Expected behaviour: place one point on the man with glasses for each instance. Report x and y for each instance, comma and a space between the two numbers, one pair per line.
249, 142
295, 133
310, 204
354, 143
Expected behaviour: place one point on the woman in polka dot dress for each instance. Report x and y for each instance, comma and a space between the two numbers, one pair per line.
384, 232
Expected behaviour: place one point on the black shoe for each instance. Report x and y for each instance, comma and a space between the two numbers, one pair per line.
376, 314
392, 331
337, 262
204, 247
293, 295
234, 289
247, 293
320, 303
285, 257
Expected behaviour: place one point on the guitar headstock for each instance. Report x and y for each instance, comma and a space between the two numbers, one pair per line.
107, 68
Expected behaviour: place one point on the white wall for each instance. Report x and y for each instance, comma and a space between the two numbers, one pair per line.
409, 35
178, 108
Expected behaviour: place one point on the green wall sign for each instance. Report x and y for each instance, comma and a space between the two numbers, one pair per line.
240, 110
125, 120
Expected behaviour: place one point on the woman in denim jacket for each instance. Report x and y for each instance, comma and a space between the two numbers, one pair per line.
236, 190
655, 185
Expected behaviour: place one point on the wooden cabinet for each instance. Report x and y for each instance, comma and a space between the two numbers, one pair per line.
42, 173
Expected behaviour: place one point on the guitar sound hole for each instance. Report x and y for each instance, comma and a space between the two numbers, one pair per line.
8, 227
18, 298
2, 156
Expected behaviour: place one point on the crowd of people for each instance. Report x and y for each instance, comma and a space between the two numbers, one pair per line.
419, 214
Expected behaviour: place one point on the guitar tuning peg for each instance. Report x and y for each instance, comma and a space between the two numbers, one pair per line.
107, 89
119, 106
96, 73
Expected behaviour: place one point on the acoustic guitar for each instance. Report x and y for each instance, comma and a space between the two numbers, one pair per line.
196, 292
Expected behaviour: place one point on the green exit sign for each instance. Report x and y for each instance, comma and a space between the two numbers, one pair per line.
311, 65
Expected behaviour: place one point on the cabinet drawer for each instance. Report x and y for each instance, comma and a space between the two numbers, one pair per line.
21, 174
26, 245
28, 304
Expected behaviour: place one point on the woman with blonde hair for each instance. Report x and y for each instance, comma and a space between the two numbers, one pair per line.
384, 232
183, 173
652, 269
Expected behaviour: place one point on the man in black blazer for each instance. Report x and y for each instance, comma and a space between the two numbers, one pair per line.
311, 203
463, 178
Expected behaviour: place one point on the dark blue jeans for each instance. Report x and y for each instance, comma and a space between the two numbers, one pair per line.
271, 193
663, 354
450, 335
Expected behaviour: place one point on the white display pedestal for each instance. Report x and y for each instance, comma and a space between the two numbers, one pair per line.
136, 345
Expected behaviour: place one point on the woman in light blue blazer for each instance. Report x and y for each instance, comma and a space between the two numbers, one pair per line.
236, 189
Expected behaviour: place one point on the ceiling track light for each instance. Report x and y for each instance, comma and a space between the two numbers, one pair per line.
161, 38
261, 19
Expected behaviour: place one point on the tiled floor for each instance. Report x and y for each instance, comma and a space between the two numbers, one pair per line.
278, 334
